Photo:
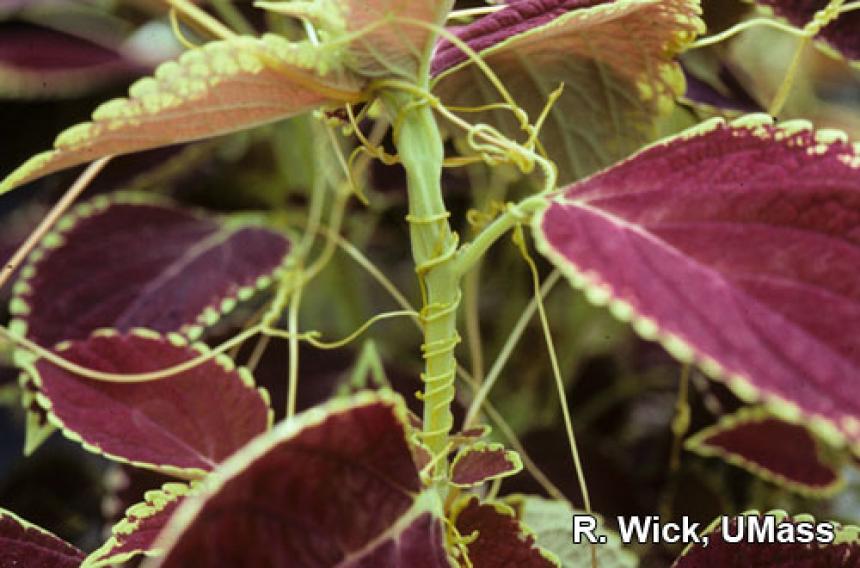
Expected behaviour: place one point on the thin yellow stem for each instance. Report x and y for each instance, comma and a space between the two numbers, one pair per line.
468, 13
681, 422
97, 375
471, 301
514, 336
202, 19
519, 240
745, 25
784, 90
293, 363
51, 218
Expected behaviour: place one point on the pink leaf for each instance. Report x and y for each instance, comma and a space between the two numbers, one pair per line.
482, 462
136, 534
335, 486
843, 33
183, 425
843, 552
222, 87
499, 539
26, 545
784, 453
131, 261
396, 47
736, 246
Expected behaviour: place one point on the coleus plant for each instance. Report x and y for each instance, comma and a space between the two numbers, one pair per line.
734, 244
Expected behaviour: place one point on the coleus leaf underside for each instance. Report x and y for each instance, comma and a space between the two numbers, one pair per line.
616, 60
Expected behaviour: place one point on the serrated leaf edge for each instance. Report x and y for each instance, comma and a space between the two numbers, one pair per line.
245, 457
502, 508
697, 444
669, 71
27, 364
512, 457
154, 502
844, 533
212, 314
600, 294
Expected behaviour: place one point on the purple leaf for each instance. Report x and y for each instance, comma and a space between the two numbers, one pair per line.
723, 91
130, 262
616, 60
136, 534
747, 439
482, 462
499, 539
183, 425
736, 246
334, 486
842, 34
38, 62
26, 545
843, 552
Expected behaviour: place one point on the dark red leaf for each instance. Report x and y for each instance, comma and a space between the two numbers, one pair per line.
499, 540
736, 246
843, 552
482, 462
843, 33
25, 545
420, 545
182, 425
335, 486
126, 262
38, 62
785, 453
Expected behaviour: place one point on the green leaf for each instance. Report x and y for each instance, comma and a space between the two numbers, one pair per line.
550, 521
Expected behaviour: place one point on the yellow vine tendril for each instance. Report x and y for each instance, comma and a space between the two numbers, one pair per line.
520, 242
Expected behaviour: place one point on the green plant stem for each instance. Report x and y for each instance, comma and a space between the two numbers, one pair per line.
434, 245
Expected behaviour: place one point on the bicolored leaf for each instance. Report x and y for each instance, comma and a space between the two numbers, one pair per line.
736, 246
334, 486
550, 521
183, 425
136, 534
24, 544
843, 34
785, 546
615, 59
481, 462
787, 454
220, 88
494, 538
39, 62
130, 261
385, 37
